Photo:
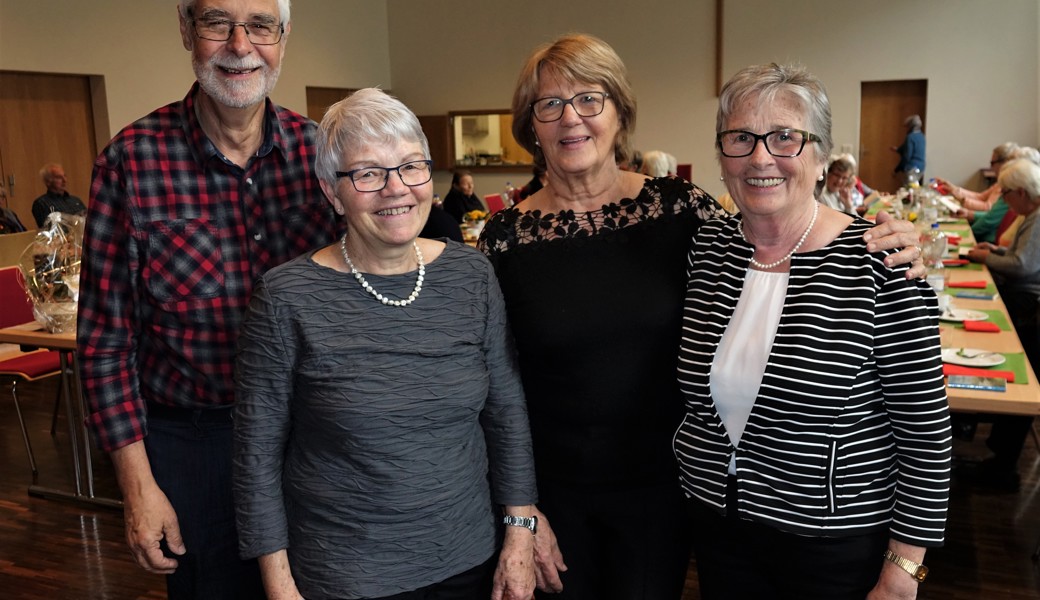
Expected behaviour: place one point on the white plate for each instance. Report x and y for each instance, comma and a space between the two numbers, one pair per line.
974, 358
959, 315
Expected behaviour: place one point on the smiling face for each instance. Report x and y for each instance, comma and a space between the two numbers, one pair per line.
838, 179
762, 183
235, 73
466, 185
391, 217
575, 145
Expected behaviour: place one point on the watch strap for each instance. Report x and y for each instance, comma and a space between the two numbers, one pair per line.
916, 570
525, 522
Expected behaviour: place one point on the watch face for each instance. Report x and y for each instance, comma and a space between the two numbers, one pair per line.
922, 572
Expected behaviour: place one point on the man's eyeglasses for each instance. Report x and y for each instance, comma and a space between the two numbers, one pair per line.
221, 30
373, 179
586, 104
782, 143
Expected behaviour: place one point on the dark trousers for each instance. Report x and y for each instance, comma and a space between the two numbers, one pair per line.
632, 544
469, 585
190, 455
1010, 432
741, 560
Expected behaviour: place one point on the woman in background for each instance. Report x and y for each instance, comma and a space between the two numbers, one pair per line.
461, 199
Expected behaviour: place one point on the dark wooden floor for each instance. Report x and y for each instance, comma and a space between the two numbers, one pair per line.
58, 550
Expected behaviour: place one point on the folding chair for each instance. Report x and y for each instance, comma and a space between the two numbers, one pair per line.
25, 366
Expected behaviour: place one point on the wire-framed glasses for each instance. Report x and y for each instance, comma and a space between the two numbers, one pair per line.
586, 104
373, 179
221, 30
782, 143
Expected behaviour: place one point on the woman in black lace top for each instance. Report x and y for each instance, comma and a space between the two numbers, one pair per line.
592, 268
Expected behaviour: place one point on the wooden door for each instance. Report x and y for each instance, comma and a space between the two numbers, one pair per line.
884, 105
44, 118
319, 99
512, 152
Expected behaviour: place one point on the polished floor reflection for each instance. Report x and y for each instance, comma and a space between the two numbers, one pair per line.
58, 550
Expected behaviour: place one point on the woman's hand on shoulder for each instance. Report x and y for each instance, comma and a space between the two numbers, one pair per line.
891, 233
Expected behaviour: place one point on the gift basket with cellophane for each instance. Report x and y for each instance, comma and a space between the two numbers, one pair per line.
50, 271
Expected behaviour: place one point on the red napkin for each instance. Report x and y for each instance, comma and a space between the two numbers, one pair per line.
955, 262
984, 326
949, 369
967, 284
953, 239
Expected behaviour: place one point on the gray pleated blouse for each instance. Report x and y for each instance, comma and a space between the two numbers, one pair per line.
371, 441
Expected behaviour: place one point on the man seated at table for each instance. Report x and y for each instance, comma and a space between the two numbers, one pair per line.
1016, 271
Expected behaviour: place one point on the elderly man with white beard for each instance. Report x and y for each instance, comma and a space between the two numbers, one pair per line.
189, 205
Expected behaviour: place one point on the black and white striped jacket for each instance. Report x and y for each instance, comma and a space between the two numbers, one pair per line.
850, 432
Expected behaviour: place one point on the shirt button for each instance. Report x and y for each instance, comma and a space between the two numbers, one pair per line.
249, 180
257, 236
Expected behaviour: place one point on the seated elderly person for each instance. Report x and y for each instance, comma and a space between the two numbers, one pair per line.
1016, 269
984, 200
655, 164
380, 415
839, 189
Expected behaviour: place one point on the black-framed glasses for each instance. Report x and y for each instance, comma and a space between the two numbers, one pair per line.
782, 143
586, 104
221, 30
373, 179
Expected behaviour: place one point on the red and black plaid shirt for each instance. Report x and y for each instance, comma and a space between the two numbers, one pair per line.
176, 235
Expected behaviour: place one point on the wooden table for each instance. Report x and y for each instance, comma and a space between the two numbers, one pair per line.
32, 335
1018, 399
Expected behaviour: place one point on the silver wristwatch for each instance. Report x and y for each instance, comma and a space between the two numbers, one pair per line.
525, 522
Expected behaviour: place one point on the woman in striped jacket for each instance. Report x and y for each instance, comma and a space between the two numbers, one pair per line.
816, 445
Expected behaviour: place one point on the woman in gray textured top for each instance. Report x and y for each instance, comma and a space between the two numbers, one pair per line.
380, 416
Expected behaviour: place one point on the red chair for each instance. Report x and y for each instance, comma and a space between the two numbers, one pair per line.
28, 366
494, 203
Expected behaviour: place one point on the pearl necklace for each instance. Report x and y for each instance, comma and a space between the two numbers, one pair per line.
740, 230
368, 287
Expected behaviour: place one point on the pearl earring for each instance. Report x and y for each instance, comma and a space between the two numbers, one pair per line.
721, 178
820, 178
537, 143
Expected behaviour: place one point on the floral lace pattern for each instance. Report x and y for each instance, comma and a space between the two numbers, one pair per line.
660, 197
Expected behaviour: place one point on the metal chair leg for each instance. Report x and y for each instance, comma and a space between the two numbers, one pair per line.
25, 433
57, 406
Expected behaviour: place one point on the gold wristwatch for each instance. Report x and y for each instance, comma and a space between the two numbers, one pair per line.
917, 571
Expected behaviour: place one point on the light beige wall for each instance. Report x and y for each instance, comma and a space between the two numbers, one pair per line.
465, 54
135, 45
980, 60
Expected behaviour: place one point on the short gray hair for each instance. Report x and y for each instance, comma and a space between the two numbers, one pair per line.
368, 117
1021, 174
655, 163
1003, 152
765, 83
1026, 152
187, 8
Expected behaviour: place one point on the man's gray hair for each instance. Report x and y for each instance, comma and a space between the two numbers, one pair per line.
187, 8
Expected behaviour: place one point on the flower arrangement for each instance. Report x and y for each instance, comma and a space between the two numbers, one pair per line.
474, 216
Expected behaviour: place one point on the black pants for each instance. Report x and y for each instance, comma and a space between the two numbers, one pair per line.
469, 585
190, 454
632, 544
741, 560
1010, 432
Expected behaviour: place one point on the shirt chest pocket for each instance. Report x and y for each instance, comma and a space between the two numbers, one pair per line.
184, 261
